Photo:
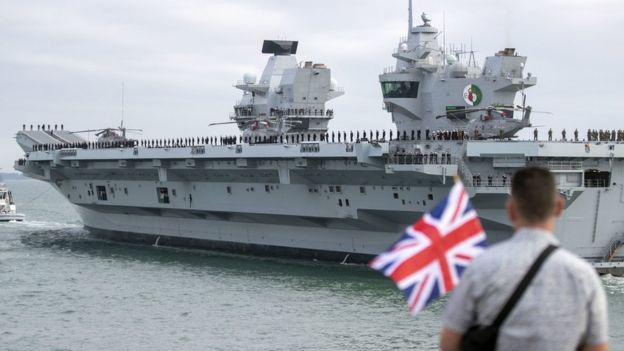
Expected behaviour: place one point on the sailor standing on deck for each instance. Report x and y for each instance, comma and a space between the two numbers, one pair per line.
564, 306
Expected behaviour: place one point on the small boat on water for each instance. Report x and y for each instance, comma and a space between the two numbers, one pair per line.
8, 211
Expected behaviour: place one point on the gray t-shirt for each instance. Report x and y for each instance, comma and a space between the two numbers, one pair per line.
564, 307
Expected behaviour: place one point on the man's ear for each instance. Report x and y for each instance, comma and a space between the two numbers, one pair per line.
511, 210
559, 205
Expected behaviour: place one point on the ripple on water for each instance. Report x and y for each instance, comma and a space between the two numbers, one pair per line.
63, 289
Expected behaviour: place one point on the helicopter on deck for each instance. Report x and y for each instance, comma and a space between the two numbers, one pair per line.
111, 135
494, 121
263, 128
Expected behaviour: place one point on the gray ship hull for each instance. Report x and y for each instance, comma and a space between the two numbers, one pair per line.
264, 239
346, 198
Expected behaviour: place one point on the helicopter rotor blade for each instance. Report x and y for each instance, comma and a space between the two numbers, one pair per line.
520, 108
87, 131
221, 123
466, 111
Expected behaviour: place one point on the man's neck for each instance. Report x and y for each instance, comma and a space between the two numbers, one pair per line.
548, 226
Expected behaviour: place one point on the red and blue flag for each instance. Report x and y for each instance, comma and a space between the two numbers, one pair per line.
430, 257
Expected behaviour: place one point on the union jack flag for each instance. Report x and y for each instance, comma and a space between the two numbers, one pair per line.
430, 257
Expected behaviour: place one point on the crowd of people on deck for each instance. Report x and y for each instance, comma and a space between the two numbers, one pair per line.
592, 135
404, 158
605, 135
490, 180
294, 138
297, 112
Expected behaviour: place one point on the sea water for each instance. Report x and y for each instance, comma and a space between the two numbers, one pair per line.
61, 289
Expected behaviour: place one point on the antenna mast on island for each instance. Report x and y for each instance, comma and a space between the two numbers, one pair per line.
122, 103
410, 19
444, 38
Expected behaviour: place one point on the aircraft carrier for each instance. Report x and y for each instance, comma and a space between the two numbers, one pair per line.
288, 185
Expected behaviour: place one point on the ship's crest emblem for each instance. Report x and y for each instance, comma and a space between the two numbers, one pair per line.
472, 95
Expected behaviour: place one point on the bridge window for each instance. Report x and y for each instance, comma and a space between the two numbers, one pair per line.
101, 192
597, 179
163, 195
399, 89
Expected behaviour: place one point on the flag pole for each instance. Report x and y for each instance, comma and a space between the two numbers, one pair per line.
456, 179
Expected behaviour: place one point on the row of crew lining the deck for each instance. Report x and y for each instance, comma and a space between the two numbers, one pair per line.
592, 135
432, 158
43, 127
339, 137
605, 135
251, 112
86, 145
301, 112
333, 137
490, 181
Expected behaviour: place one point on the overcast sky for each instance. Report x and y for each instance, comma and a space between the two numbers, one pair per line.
64, 61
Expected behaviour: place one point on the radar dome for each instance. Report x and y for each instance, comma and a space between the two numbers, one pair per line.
451, 59
333, 85
249, 78
403, 47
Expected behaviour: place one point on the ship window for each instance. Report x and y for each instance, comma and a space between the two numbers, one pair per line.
331, 188
347, 202
229, 190
126, 191
362, 190
340, 202
399, 89
101, 192
338, 189
2, 196
163, 195
597, 179
267, 188
173, 192
396, 195
430, 197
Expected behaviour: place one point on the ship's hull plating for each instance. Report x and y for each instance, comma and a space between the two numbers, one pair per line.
351, 245
341, 199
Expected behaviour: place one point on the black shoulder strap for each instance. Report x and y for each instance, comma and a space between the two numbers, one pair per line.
523, 285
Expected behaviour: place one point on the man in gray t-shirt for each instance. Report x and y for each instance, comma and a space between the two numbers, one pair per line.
564, 308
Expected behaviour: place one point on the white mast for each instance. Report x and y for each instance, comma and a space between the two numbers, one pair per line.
409, 19
122, 103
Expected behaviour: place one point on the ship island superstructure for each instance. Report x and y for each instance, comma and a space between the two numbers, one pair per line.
287, 185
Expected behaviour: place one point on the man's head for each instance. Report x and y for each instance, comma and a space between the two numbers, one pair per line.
534, 200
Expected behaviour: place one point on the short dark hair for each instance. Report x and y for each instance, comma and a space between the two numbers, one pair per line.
534, 193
